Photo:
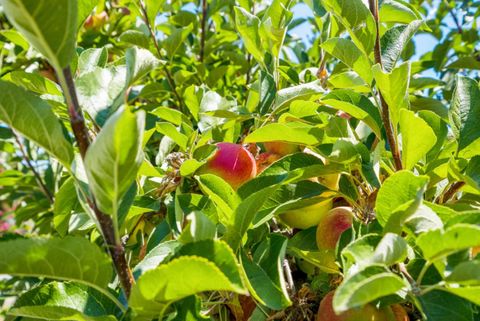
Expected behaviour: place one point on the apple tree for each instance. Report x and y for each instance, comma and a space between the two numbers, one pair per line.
239, 160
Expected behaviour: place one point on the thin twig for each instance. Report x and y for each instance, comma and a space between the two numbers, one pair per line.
170, 80
387, 123
38, 178
203, 31
403, 269
454, 188
455, 18
115, 247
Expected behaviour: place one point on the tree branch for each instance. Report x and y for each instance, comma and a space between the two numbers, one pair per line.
38, 178
203, 32
170, 80
454, 188
116, 249
387, 123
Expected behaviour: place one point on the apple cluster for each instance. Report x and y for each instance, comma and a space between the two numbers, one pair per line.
236, 165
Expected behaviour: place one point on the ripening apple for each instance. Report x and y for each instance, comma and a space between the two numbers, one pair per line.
96, 21
308, 216
366, 313
330, 181
332, 226
266, 159
233, 163
399, 313
281, 148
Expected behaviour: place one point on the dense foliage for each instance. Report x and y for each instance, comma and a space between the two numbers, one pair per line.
118, 203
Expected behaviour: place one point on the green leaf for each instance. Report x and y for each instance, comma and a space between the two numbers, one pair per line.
65, 201
100, 91
176, 39
245, 213
136, 38
33, 82
169, 130
418, 138
464, 114
397, 11
292, 132
158, 288
91, 58
471, 294
394, 42
358, 20
199, 227
85, 8
365, 286
63, 301
220, 254
357, 106
139, 63
50, 26
155, 257
69, 258
248, 27
221, 194
465, 63
441, 243
265, 273
465, 273
15, 37
274, 26
113, 159
437, 305
33, 118
211, 102
391, 249
302, 91
298, 167
348, 53
394, 88
373, 249
424, 219
399, 190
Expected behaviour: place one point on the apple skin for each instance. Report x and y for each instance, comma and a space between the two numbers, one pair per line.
330, 181
266, 159
365, 313
399, 313
280, 148
233, 163
96, 21
475, 251
332, 225
308, 216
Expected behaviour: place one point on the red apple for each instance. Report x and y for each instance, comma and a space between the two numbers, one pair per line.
233, 163
332, 226
280, 148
